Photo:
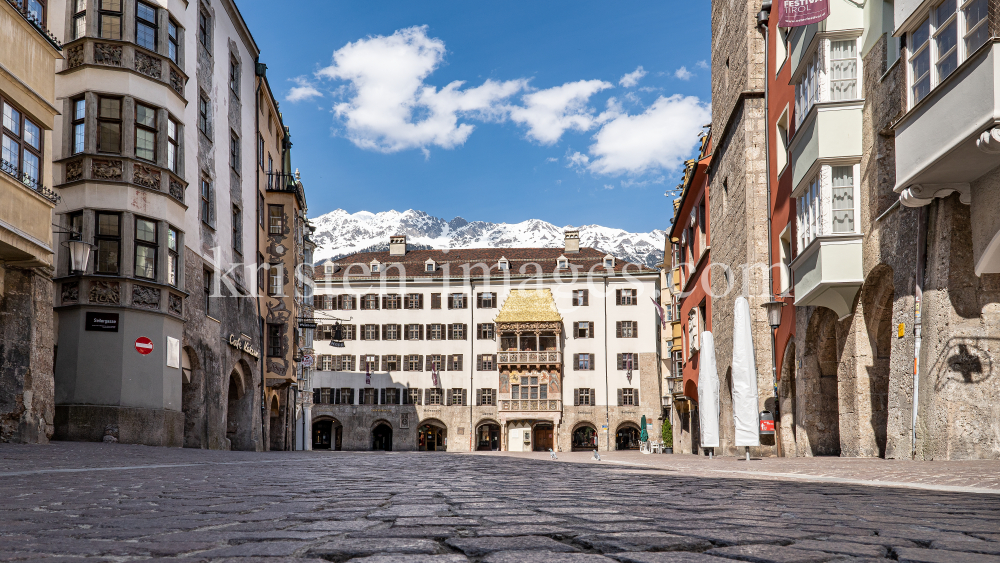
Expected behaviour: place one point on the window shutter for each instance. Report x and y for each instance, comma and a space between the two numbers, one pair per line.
635, 396
619, 397
635, 329
377, 332
576, 397
461, 362
479, 362
465, 397
465, 331
447, 332
363, 336
618, 297
620, 363
399, 397
495, 367
354, 302
385, 366
447, 398
618, 329
420, 362
593, 360
336, 396
576, 329
381, 396
593, 397
351, 395
428, 366
420, 301
421, 332
427, 396
586, 296
385, 301
576, 362
590, 329
465, 301
479, 397
479, 301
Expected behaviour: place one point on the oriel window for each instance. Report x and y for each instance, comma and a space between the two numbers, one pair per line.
173, 238
145, 249
109, 19
274, 281
276, 219
36, 10
22, 146
109, 125
108, 242
172, 145
173, 41
79, 18
145, 132
145, 25
79, 128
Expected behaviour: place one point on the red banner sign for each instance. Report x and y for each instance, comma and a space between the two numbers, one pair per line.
796, 13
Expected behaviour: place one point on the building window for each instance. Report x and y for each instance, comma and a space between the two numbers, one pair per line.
457, 301
173, 41
204, 22
22, 146
435, 301
609, 263
392, 301
390, 396
413, 362
503, 265
237, 230
375, 267
844, 70
369, 302
528, 388
934, 46
234, 76
583, 362
109, 19
413, 301
414, 332
390, 332
843, 199
145, 25
627, 297
390, 362
976, 30
834, 186
79, 127
172, 255
274, 334
79, 18
584, 397
435, 396
456, 331
455, 362
206, 201
208, 283
145, 132
260, 151
369, 396
583, 329
457, 396
411, 396
435, 332
145, 249
369, 332
628, 361
234, 151
486, 331
430, 267
627, 329
581, 298
275, 273
172, 145
203, 114
629, 398
109, 125
486, 362
486, 300
276, 219
108, 242
486, 397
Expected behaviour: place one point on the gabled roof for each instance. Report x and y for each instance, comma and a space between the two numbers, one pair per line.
529, 305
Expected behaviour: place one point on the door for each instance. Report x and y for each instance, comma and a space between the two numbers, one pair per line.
488, 438
321, 435
544, 437
382, 438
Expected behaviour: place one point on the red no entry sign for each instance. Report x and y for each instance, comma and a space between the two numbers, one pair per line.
143, 345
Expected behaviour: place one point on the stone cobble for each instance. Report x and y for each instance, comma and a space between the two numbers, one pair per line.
113, 502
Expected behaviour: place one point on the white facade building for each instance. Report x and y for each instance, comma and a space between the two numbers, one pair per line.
491, 349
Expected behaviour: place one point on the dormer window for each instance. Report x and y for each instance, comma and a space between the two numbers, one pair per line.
430, 266
562, 263
376, 267
503, 265
609, 262
328, 268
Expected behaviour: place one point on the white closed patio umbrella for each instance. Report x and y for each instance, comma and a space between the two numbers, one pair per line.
708, 393
745, 403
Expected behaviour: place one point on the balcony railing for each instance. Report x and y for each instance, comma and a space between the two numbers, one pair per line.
547, 405
29, 182
30, 12
529, 357
280, 182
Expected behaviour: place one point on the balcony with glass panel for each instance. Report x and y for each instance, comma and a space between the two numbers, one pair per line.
828, 269
950, 135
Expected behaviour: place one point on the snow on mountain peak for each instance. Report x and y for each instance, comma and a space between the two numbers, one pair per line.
339, 233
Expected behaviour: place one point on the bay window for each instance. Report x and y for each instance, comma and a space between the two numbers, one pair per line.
172, 256
109, 19
827, 204
108, 241
145, 25
173, 41
79, 18
830, 76
21, 146
79, 130
935, 48
172, 145
145, 132
145, 248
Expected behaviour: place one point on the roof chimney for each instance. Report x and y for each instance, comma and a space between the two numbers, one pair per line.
572, 242
397, 245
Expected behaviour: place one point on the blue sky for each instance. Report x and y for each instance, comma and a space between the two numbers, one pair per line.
553, 120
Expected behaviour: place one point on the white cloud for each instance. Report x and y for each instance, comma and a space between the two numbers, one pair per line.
683, 73
388, 106
657, 139
632, 78
609, 186
549, 113
642, 183
551, 159
303, 90
702, 65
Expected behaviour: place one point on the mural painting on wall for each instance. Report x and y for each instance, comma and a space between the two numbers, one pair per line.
553, 380
277, 313
505, 382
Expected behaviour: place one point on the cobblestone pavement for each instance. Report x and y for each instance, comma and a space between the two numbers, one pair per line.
123, 503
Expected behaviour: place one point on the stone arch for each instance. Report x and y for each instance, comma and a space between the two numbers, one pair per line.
487, 435
877, 300
584, 436
627, 436
821, 362
381, 435
274, 421
239, 409
788, 403
328, 433
432, 435
192, 399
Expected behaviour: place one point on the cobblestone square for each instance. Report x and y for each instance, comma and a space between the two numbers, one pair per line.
67, 501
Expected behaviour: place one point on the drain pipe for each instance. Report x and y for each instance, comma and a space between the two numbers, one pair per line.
265, 415
918, 297
607, 368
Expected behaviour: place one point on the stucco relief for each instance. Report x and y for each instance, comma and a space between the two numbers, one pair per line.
107, 169
105, 292
74, 170
70, 292
277, 313
146, 176
150, 66
176, 190
176, 82
106, 54
74, 56
175, 304
145, 297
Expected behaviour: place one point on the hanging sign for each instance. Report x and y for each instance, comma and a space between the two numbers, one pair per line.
796, 13
143, 345
243, 345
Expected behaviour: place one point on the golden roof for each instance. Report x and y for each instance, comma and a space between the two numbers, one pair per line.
529, 305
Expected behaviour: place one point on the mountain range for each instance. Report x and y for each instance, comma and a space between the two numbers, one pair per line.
339, 233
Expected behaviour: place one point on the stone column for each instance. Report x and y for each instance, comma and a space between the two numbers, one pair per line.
307, 426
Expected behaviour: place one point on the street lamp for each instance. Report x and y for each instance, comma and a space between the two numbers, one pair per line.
773, 309
79, 251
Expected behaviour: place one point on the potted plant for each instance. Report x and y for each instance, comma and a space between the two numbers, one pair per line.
668, 437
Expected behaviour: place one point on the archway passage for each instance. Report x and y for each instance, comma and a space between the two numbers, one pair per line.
584, 438
627, 437
275, 424
432, 438
543, 433
822, 364
322, 435
194, 428
787, 406
382, 438
488, 437
878, 297
232, 407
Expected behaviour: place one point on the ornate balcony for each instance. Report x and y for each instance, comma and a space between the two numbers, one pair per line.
529, 357
546, 405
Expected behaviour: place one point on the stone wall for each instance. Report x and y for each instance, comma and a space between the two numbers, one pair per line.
27, 388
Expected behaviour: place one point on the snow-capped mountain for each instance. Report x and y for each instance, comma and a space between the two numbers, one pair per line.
339, 233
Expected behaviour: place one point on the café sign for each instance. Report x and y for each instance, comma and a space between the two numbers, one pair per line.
243, 344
